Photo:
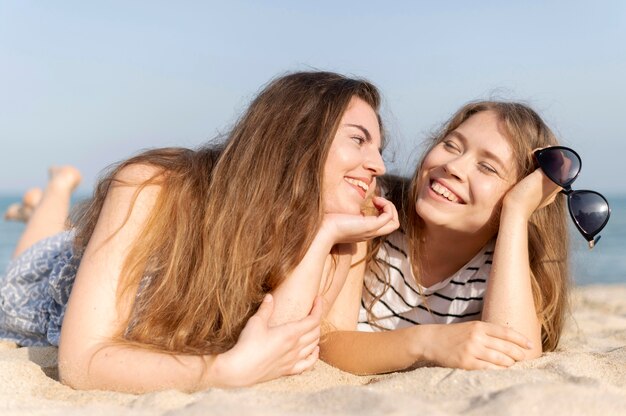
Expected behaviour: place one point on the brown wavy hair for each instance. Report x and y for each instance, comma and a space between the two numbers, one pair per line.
232, 220
548, 237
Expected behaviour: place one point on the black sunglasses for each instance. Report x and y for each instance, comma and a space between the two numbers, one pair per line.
589, 209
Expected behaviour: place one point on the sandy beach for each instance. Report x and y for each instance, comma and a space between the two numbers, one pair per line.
585, 376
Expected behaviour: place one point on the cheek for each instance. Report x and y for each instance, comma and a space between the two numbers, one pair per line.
330, 201
492, 193
331, 170
432, 159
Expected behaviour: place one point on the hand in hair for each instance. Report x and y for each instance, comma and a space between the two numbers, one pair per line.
264, 353
533, 192
347, 228
471, 345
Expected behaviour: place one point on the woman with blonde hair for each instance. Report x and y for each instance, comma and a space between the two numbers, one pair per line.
477, 275
178, 248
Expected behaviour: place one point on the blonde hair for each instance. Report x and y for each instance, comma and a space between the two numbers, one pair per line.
548, 237
230, 222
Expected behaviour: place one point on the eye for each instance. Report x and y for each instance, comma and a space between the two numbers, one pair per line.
451, 146
487, 168
358, 139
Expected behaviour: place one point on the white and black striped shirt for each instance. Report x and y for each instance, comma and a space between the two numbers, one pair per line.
459, 298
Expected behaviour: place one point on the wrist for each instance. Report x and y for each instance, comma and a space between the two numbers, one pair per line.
221, 371
514, 212
415, 342
326, 235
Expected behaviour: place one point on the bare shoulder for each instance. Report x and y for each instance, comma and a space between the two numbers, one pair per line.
132, 195
137, 185
138, 174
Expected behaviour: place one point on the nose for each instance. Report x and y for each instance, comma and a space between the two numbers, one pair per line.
455, 167
374, 163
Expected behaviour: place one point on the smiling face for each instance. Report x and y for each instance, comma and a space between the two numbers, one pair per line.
354, 160
464, 177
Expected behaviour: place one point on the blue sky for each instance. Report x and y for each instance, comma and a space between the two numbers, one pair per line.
90, 83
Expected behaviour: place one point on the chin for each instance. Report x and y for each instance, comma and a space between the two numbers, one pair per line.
351, 209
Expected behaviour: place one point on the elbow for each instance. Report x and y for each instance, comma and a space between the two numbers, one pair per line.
72, 375
74, 369
70, 378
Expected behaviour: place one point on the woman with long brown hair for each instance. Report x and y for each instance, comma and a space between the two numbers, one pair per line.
178, 248
477, 275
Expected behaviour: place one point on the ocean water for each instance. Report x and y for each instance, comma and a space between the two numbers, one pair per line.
606, 263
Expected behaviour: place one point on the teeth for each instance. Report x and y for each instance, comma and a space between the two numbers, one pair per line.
443, 191
358, 183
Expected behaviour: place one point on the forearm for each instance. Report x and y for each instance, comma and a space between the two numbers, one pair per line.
295, 295
318, 273
370, 352
509, 298
138, 370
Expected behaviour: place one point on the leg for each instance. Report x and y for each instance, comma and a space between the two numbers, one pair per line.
49, 216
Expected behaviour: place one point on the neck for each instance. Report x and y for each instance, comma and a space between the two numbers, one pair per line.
446, 251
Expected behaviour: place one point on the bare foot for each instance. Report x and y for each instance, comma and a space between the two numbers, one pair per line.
22, 211
64, 177
32, 197
15, 212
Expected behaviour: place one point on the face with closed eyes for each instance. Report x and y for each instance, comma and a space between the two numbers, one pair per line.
464, 177
354, 160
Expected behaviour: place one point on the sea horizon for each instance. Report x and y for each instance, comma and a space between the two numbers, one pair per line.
605, 264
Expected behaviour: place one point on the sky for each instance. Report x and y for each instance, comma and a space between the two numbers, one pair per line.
91, 83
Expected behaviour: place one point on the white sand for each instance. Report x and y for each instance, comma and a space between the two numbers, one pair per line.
586, 376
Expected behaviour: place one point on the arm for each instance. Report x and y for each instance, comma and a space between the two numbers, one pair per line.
344, 311
89, 360
509, 298
362, 352
468, 345
509, 315
316, 274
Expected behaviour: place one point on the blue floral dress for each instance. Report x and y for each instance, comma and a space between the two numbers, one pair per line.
35, 290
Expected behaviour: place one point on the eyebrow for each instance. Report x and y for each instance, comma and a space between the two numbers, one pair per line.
486, 152
366, 132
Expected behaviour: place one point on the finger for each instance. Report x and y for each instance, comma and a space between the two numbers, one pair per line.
307, 363
389, 207
508, 334
495, 356
511, 350
266, 308
310, 337
395, 214
317, 309
307, 350
375, 222
383, 205
485, 365
384, 223
392, 225
550, 188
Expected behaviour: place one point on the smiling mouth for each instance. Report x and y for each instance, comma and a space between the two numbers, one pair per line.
361, 186
441, 190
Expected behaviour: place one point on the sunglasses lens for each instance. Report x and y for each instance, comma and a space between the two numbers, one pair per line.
590, 210
561, 165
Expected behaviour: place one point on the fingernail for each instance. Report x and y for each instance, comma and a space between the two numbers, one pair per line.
529, 345
268, 298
